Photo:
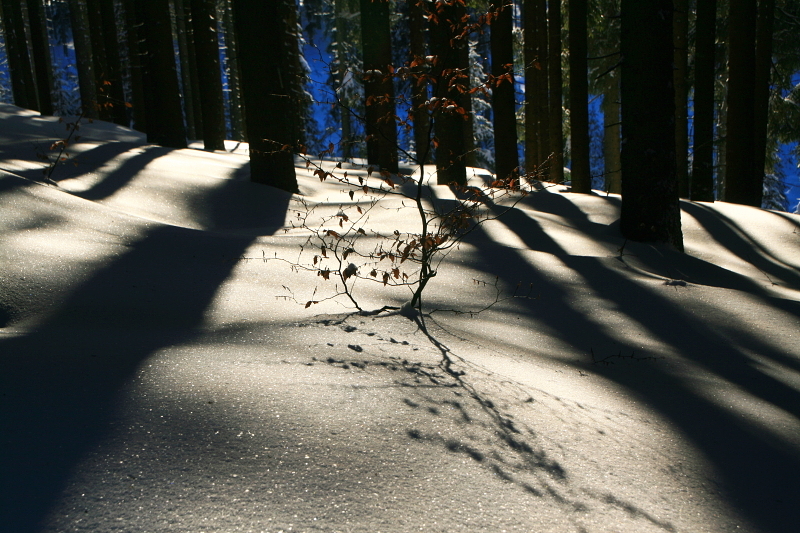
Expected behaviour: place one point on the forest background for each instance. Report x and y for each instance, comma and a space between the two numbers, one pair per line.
89, 44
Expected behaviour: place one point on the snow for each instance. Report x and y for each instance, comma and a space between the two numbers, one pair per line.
155, 376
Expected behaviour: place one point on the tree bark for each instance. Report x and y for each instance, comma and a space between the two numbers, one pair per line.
650, 207
681, 76
765, 23
579, 96
132, 30
238, 126
296, 71
419, 95
115, 91
743, 184
99, 62
43, 64
188, 80
611, 136
533, 159
23, 85
267, 94
542, 87
555, 81
702, 182
87, 77
376, 44
160, 77
465, 101
206, 44
449, 118
503, 96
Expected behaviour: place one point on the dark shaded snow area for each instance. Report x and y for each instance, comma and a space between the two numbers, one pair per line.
157, 375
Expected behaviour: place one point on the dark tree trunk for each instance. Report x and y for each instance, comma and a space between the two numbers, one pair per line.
533, 72
555, 81
135, 48
295, 70
465, 101
234, 85
204, 24
23, 86
87, 77
681, 77
702, 183
579, 96
115, 91
611, 136
42, 62
343, 11
503, 97
189, 81
159, 74
650, 206
542, 86
376, 43
766, 19
267, 93
449, 117
419, 96
743, 184
99, 62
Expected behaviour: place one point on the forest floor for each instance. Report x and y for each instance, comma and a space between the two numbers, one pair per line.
156, 373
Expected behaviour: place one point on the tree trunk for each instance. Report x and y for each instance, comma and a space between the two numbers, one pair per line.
43, 64
743, 184
766, 19
189, 81
99, 63
503, 96
681, 77
376, 44
267, 94
579, 96
611, 137
555, 81
343, 12
702, 183
159, 74
87, 77
234, 85
23, 85
115, 91
296, 71
135, 48
419, 95
449, 117
533, 158
543, 98
204, 25
465, 101
650, 206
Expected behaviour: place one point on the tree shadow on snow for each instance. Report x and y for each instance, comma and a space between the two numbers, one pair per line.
61, 379
758, 471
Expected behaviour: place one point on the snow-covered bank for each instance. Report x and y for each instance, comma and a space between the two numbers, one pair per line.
154, 377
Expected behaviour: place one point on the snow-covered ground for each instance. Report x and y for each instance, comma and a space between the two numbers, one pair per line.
156, 377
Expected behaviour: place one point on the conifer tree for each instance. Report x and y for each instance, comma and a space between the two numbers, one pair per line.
269, 107
23, 84
579, 96
376, 43
503, 94
650, 209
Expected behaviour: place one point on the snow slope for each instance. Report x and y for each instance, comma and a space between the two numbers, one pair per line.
155, 376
